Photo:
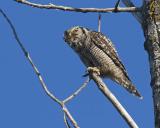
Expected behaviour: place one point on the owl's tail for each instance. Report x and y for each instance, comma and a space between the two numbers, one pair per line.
131, 88
127, 84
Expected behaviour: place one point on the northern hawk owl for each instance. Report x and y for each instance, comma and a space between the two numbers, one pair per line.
96, 50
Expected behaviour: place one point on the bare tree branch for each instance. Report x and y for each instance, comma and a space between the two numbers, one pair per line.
108, 94
83, 10
77, 91
137, 15
28, 57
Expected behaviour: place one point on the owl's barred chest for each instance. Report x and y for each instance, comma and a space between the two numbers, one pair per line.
92, 56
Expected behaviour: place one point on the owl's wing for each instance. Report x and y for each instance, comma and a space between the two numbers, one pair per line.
103, 43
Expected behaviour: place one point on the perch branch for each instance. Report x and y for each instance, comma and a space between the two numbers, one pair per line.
28, 57
77, 91
83, 10
108, 94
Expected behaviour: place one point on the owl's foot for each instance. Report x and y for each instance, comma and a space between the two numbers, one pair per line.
93, 70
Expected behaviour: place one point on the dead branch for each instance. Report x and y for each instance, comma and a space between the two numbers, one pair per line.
83, 10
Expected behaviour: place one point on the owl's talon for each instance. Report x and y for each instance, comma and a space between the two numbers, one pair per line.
93, 70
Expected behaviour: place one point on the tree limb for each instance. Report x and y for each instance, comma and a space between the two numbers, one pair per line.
108, 94
83, 10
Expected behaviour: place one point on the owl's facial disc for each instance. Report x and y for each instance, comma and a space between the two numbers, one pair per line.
75, 37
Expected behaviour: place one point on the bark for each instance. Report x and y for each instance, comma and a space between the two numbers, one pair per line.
151, 27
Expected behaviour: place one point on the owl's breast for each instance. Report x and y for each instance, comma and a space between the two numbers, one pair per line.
94, 57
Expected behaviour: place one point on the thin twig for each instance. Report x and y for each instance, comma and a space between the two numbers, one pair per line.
28, 57
83, 10
77, 91
109, 95
99, 22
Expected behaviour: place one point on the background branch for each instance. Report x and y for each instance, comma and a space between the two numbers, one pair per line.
84, 10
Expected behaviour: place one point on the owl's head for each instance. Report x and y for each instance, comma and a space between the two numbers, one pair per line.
76, 37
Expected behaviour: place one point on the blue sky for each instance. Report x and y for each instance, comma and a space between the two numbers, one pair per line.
23, 101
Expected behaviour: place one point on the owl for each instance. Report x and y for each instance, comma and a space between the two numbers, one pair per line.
96, 50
